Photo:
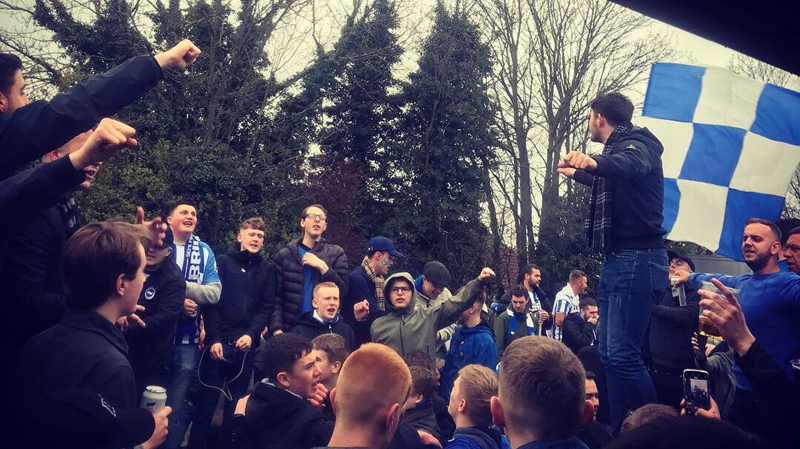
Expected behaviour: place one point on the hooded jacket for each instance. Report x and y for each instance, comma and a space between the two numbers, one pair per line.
476, 438
278, 419
635, 167
411, 327
289, 274
310, 327
247, 299
469, 345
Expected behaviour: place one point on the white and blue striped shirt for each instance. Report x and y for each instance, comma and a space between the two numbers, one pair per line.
566, 302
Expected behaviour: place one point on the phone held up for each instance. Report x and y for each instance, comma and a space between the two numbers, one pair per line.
695, 390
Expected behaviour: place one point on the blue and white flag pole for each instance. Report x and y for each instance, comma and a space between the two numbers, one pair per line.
731, 147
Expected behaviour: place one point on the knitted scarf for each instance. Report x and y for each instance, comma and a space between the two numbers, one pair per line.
601, 205
378, 280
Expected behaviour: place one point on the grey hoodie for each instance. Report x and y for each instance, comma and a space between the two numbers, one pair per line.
412, 328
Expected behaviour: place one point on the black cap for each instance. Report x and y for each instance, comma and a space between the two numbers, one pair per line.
437, 274
79, 417
673, 255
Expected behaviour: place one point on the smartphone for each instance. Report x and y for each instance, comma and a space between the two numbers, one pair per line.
695, 389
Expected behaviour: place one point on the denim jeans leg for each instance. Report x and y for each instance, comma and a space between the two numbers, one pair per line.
184, 364
629, 280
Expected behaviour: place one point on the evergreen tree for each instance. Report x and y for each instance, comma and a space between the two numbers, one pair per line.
446, 138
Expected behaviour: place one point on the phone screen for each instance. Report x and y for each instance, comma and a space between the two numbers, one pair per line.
695, 388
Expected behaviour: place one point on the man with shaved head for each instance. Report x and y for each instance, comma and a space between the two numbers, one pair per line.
369, 396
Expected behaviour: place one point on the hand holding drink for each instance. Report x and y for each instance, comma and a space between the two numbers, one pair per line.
706, 326
724, 312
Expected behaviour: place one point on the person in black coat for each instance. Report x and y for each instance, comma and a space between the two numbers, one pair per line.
580, 329
325, 318
234, 326
104, 275
150, 346
671, 328
302, 264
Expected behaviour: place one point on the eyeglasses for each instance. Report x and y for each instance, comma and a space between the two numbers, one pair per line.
319, 217
400, 290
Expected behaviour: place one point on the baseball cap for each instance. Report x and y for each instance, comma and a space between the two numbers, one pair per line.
673, 255
79, 417
382, 244
437, 274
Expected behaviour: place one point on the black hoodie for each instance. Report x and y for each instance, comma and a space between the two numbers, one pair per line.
309, 327
247, 299
278, 419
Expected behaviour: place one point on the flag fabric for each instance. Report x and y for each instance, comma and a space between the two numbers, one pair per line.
731, 146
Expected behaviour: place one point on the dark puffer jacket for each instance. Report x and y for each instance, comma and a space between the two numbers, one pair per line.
289, 271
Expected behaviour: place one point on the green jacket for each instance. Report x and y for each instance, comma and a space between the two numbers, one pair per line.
412, 328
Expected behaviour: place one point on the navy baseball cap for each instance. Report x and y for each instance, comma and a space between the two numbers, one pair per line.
383, 244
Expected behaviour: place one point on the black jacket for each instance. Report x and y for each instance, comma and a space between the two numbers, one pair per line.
162, 296
278, 419
33, 278
309, 327
422, 417
671, 329
634, 166
577, 332
247, 299
289, 272
83, 350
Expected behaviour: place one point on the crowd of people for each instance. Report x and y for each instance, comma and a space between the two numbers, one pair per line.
306, 351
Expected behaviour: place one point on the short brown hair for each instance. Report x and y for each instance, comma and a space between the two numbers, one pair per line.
576, 275
95, 256
256, 223
373, 378
478, 385
334, 345
319, 206
772, 226
423, 381
645, 414
542, 385
518, 291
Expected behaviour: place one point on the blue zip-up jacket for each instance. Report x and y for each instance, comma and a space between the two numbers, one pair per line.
469, 345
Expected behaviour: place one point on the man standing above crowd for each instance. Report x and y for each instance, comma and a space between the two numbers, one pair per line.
671, 329
624, 222
150, 345
567, 302
366, 283
301, 265
203, 288
233, 327
407, 328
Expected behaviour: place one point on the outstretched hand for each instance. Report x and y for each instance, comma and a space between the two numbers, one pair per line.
156, 229
486, 273
361, 310
577, 160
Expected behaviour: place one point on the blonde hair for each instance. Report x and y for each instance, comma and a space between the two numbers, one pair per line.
373, 378
477, 386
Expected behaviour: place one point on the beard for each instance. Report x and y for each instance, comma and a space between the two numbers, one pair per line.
761, 261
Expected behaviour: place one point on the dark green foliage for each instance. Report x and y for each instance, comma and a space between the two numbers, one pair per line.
446, 134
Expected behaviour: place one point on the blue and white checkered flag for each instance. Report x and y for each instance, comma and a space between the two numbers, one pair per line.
731, 146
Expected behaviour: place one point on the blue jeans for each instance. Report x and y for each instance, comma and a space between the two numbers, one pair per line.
232, 376
629, 282
184, 368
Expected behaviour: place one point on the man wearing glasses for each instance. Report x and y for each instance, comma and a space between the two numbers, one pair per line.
406, 328
301, 265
